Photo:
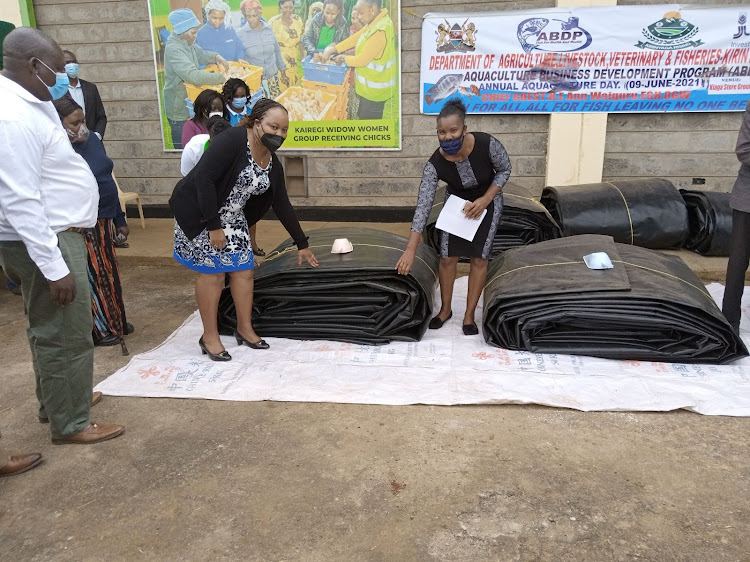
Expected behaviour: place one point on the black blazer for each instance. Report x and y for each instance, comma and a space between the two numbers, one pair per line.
96, 118
197, 197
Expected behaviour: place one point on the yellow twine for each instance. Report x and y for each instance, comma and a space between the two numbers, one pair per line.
630, 219
701, 289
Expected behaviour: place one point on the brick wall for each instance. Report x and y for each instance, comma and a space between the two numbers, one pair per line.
112, 40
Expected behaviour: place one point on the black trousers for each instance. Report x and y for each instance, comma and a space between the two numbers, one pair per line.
739, 258
369, 109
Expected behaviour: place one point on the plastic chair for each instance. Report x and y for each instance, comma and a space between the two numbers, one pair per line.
126, 196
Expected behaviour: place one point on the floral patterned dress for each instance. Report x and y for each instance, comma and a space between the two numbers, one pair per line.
237, 255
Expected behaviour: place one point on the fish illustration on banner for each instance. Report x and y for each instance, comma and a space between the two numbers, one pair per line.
444, 88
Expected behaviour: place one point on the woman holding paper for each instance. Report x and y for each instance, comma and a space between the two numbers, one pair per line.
475, 166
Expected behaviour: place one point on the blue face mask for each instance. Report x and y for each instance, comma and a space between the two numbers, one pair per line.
239, 103
71, 69
452, 146
61, 83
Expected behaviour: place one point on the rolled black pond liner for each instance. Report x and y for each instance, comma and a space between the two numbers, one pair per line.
524, 221
650, 306
356, 297
710, 220
648, 212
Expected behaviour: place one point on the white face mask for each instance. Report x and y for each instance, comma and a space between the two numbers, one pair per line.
219, 113
82, 135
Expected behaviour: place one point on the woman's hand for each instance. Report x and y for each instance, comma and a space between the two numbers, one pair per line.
125, 231
307, 255
218, 238
474, 209
403, 265
284, 79
221, 61
338, 59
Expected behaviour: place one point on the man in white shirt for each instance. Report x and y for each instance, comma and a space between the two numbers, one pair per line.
47, 196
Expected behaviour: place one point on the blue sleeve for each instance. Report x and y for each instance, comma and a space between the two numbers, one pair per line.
239, 49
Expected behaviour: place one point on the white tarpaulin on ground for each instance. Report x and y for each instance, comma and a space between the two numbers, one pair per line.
446, 367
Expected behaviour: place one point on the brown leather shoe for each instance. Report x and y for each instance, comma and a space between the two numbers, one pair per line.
95, 399
20, 463
94, 433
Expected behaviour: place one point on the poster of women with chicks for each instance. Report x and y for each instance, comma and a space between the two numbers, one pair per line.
334, 65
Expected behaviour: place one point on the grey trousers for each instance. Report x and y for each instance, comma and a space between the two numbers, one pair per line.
62, 349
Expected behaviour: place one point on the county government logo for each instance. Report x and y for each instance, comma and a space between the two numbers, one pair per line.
461, 38
552, 36
669, 33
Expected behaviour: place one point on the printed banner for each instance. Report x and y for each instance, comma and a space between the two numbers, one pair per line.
334, 66
615, 59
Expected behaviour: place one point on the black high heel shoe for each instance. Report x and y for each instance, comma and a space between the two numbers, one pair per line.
257, 345
223, 356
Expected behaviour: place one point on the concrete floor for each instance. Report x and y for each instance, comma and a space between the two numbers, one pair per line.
209, 480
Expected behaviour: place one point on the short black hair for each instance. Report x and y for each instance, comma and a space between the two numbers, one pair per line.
378, 3
453, 107
231, 86
216, 125
66, 52
282, 2
66, 105
261, 107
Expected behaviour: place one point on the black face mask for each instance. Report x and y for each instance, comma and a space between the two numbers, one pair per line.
271, 142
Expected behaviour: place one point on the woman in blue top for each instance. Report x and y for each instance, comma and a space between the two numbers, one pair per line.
236, 96
107, 305
218, 35
262, 49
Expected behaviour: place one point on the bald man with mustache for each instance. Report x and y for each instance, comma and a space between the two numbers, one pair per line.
48, 196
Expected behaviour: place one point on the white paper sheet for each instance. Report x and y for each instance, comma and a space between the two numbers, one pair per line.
453, 220
446, 367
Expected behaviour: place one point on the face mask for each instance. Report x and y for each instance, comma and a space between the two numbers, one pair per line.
61, 83
452, 146
239, 103
219, 113
80, 136
71, 69
271, 142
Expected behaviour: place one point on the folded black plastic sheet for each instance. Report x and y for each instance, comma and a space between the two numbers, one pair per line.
649, 307
649, 213
524, 221
356, 297
710, 220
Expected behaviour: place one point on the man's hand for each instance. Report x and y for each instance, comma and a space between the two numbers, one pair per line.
63, 291
124, 230
221, 61
218, 238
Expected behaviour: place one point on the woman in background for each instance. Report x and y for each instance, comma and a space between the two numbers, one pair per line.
107, 304
262, 49
288, 28
235, 94
217, 34
325, 28
206, 104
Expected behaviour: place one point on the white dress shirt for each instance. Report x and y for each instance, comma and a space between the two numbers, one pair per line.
192, 152
76, 92
45, 186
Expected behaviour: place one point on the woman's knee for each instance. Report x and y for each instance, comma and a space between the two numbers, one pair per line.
479, 263
245, 275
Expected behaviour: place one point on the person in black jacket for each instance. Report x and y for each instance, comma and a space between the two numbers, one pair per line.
86, 94
233, 185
